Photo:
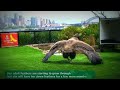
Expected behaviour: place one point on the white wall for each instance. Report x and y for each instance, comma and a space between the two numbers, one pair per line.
110, 29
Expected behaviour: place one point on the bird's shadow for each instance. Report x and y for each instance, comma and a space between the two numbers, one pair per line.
67, 62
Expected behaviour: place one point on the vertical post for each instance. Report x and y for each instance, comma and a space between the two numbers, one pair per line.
18, 39
0, 40
49, 36
34, 38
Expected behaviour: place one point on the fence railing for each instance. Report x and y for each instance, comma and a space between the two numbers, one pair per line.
36, 36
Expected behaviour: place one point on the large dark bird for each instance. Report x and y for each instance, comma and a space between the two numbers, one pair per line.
70, 47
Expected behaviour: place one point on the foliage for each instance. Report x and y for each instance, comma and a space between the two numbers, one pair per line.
54, 36
89, 34
41, 37
92, 31
25, 38
69, 32
37, 37
85, 33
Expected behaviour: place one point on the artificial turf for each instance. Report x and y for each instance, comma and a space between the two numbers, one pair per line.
27, 58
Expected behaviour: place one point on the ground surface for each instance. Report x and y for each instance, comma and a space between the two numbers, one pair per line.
28, 58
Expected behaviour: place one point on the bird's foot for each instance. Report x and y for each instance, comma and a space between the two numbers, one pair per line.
70, 60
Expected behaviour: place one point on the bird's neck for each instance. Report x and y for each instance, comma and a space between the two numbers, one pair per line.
75, 38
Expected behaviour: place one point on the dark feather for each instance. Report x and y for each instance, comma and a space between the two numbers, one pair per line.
72, 55
65, 55
69, 55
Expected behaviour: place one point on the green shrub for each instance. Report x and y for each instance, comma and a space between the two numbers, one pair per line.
25, 38
92, 31
55, 36
69, 32
41, 37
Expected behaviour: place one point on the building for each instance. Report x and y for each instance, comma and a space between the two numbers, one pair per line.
28, 22
21, 21
5, 20
10, 21
16, 19
34, 21
41, 23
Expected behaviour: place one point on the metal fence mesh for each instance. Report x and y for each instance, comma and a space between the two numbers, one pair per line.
26, 38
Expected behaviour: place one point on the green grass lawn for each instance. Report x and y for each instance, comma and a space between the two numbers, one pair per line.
27, 58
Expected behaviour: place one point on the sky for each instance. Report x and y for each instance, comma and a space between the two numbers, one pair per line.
68, 17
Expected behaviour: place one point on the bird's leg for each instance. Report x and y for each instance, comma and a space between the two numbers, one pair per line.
70, 60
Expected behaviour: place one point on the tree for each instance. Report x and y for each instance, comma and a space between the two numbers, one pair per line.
69, 32
91, 34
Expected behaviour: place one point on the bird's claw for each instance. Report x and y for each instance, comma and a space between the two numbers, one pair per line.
70, 60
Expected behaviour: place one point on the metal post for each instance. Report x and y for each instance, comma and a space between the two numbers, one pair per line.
34, 38
18, 39
49, 36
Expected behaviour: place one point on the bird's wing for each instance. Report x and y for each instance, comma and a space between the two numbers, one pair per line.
53, 49
88, 51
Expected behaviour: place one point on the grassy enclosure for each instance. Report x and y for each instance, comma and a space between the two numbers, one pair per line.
27, 58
